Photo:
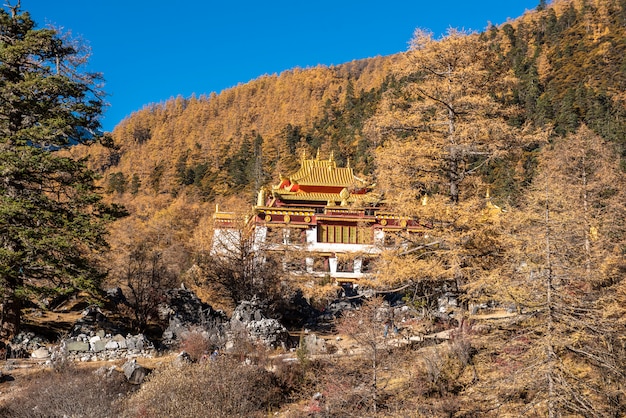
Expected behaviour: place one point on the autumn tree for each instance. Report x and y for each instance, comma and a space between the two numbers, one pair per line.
146, 277
51, 217
449, 116
366, 326
236, 264
149, 256
563, 271
441, 128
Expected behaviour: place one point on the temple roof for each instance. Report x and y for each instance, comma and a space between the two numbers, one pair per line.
321, 181
317, 172
323, 173
319, 197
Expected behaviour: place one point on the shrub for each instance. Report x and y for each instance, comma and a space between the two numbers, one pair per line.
196, 344
220, 388
73, 393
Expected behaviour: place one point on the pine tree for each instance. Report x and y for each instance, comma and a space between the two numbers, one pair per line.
51, 217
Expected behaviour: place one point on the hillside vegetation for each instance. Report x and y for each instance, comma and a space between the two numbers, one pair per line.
544, 75
511, 143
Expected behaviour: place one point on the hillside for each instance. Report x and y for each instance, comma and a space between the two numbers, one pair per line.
565, 64
509, 144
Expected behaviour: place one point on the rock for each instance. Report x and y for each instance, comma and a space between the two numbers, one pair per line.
120, 340
248, 316
94, 323
77, 346
24, 343
314, 344
111, 345
105, 371
136, 342
40, 353
185, 312
182, 359
269, 331
98, 345
135, 373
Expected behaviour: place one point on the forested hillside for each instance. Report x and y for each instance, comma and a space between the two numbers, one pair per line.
541, 77
509, 145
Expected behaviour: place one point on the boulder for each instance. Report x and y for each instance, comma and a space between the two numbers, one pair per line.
98, 345
77, 346
40, 353
135, 373
111, 345
120, 340
314, 344
248, 317
268, 331
185, 312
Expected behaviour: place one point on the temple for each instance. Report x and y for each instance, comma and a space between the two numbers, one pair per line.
326, 221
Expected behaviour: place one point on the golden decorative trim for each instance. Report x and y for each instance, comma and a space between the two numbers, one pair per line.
383, 222
403, 223
307, 219
268, 218
287, 219
344, 219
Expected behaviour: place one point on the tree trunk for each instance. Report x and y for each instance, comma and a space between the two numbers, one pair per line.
11, 314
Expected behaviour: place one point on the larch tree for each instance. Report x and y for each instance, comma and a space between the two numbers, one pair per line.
365, 325
450, 116
440, 129
564, 277
52, 221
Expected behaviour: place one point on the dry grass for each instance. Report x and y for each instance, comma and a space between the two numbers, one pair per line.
75, 392
221, 388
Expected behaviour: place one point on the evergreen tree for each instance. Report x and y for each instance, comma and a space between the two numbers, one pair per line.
51, 217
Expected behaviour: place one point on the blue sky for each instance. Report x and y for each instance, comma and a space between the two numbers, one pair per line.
150, 51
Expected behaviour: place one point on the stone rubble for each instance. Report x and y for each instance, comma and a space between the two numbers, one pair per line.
185, 312
94, 347
94, 338
249, 318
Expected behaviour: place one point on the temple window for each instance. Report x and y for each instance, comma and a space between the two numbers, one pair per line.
345, 265
344, 234
320, 264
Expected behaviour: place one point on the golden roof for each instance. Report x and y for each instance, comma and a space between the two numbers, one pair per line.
320, 181
318, 197
316, 172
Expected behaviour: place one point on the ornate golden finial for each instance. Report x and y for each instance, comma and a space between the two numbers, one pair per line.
260, 201
344, 194
303, 154
424, 200
348, 164
317, 156
332, 156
